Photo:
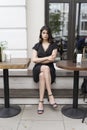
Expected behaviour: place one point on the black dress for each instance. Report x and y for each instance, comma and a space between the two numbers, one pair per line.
42, 53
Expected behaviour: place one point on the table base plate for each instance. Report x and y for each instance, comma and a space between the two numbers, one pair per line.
9, 112
74, 113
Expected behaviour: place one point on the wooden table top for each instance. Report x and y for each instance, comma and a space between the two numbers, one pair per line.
69, 65
15, 63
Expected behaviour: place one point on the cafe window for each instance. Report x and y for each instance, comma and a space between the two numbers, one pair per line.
68, 21
13, 26
84, 26
58, 15
84, 15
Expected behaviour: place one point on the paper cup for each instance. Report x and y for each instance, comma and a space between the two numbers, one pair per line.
79, 59
8, 57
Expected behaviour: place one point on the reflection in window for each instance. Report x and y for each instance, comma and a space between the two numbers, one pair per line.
84, 26
58, 22
58, 18
84, 15
82, 19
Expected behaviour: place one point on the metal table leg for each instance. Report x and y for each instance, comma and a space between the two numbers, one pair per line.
73, 111
7, 110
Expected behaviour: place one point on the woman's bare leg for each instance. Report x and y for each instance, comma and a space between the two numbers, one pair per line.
47, 75
41, 90
41, 85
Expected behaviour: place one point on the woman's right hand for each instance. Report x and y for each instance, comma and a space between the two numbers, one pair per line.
51, 58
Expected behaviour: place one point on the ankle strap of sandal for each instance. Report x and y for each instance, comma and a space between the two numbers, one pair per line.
50, 95
41, 101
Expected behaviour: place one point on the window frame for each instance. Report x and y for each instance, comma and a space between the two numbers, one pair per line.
72, 22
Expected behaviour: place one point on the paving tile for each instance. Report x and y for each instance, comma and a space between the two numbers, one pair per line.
41, 125
30, 112
25, 125
48, 125
28, 119
11, 123
75, 125
8, 128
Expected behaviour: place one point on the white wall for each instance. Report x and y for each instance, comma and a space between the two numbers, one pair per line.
35, 20
13, 27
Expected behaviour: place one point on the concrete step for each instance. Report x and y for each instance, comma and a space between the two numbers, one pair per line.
34, 93
21, 84
28, 83
24, 80
31, 96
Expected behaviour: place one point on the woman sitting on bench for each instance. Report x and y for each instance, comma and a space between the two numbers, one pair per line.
44, 54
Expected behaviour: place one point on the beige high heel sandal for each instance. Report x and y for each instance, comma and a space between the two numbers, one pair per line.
40, 111
54, 105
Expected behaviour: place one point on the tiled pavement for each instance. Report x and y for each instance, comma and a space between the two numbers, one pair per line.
51, 119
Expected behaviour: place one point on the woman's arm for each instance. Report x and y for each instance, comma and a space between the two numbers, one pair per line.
54, 53
52, 57
35, 58
47, 59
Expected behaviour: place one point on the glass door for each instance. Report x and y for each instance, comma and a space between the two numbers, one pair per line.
81, 26
68, 22
58, 22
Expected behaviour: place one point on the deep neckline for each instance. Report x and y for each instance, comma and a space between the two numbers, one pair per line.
46, 48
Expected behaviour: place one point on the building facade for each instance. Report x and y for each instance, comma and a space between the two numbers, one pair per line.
21, 21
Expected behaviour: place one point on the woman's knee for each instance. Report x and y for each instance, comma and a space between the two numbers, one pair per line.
45, 68
41, 76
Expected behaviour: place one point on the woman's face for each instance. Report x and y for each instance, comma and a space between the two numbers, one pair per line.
45, 35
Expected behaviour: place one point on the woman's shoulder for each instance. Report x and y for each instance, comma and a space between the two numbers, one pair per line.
36, 46
54, 44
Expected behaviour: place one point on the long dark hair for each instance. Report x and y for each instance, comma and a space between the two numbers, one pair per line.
50, 38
